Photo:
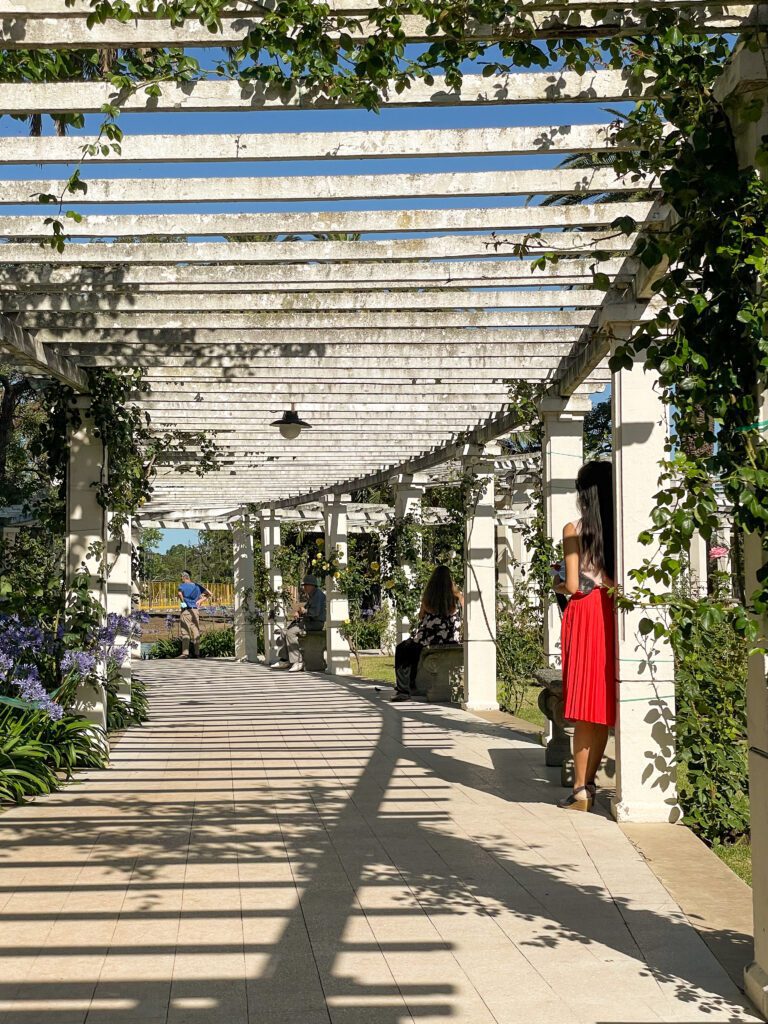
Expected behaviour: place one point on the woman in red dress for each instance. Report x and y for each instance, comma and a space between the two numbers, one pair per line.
588, 632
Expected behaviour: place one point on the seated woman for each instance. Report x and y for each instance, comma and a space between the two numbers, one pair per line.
439, 623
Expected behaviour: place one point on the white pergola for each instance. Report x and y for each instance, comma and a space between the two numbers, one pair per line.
390, 302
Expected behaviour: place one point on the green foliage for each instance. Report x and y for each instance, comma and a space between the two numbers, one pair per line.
711, 669
519, 650
37, 754
167, 648
219, 643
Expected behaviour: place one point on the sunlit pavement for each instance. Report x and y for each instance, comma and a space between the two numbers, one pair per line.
288, 849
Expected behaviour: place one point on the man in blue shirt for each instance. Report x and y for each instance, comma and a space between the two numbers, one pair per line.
191, 596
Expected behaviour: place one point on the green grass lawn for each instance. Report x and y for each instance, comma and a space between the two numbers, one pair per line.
738, 857
382, 668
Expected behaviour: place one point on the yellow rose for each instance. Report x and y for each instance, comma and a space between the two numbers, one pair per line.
375, 566
389, 584
320, 542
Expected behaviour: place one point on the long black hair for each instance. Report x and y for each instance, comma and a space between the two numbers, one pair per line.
594, 492
441, 595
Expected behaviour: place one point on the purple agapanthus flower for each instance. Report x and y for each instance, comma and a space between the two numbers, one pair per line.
33, 692
82, 662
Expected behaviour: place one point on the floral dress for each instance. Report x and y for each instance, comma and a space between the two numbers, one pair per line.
436, 630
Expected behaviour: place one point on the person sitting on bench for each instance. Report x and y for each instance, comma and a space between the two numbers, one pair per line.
439, 623
309, 619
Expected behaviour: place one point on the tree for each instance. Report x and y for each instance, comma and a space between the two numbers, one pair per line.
597, 431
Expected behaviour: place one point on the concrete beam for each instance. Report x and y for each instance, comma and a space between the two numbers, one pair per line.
66, 322
266, 146
331, 276
32, 354
23, 32
325, 302
304, 188
267, 343
524, 87
514, 218
396, 251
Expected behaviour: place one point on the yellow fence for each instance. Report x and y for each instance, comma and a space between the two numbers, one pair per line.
163, 596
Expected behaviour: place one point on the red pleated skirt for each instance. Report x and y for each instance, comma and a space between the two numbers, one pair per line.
588, 645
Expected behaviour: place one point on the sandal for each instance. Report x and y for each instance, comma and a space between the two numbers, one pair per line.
572, 802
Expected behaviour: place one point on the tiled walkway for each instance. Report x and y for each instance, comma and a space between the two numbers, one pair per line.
283, 849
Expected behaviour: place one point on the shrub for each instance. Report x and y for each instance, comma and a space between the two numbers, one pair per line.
519, 649
218, 644
711, 672
213, 644
37, 753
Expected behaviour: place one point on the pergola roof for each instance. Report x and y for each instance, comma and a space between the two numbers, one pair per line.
389, 300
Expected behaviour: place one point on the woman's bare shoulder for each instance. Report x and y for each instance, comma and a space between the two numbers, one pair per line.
570, 530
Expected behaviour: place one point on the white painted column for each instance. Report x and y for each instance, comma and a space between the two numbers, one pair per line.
505, 558
389, 638
246, 638
337, 605
756, 974
119, 591
409, 492
746, 79
86, 538
274, 615
562, 456
480, 588
698, 565
645, 749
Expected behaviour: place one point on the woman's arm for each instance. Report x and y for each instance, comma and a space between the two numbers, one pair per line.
571, 556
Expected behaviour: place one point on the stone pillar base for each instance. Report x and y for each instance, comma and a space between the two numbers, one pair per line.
652, 811
756, 987
475, 706
91, 703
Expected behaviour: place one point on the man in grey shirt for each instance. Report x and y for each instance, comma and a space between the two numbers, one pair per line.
311, 619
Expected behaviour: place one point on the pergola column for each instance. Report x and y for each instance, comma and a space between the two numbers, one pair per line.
645, 747
744, 84
86, 538
274, 614
562, 455
246, 638
409, 493
119, 566
513, 555
337, 605
698, 565
480, 587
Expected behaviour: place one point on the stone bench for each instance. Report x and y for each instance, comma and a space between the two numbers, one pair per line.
559, 745
559, 751
313, 650
440, 673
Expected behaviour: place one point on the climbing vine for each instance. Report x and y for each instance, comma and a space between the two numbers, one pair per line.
135, 451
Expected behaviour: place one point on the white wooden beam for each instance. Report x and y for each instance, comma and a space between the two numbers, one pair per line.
318, 146
324, 302
30, 353
365, 275
513, 218
305, 188
20, 32
396, 250
281, 321
525, 87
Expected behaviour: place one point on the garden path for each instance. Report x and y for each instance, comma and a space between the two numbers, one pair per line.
286, 849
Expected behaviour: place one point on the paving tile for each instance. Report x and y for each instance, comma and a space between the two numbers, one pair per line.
292, 851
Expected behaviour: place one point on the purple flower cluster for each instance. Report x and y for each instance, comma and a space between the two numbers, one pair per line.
81, 662
21, 645
33, 692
